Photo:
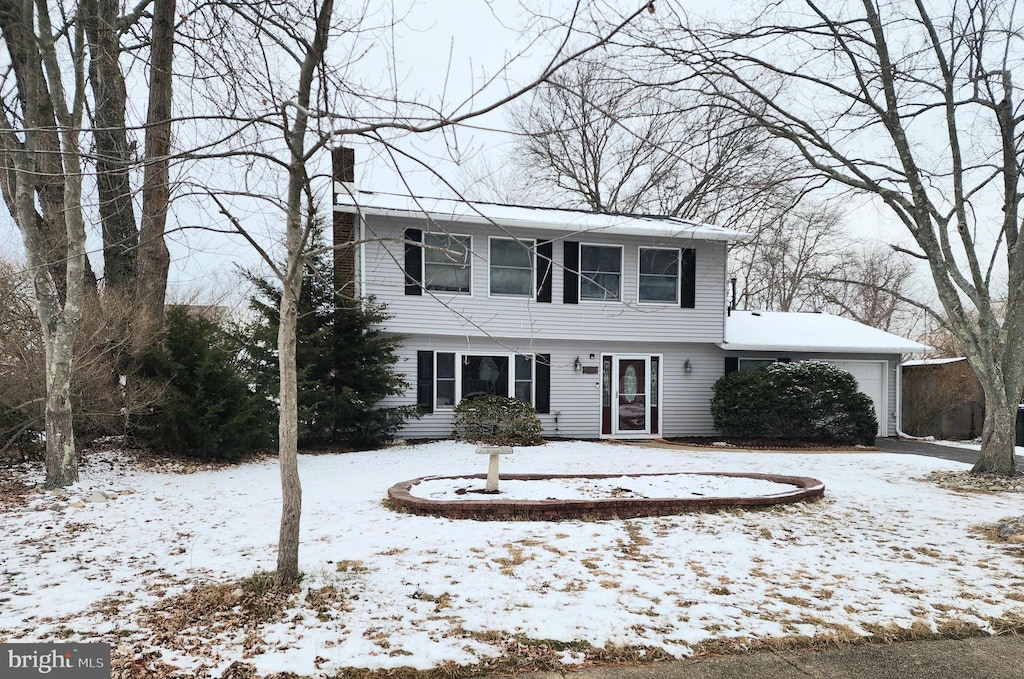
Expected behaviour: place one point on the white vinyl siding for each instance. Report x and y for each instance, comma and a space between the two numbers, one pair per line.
684, 398
460, 315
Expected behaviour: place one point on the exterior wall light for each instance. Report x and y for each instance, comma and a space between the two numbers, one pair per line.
687, 368
577, 366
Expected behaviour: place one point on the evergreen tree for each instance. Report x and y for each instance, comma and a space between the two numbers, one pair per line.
345, 363
205, 406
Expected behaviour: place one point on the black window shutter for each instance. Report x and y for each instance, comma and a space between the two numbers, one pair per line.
545, 251
542, 388
413, 262
688, 265
732, 364
425, 381
571, 272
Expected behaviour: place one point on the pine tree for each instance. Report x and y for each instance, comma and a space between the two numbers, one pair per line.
345, 363
205, 407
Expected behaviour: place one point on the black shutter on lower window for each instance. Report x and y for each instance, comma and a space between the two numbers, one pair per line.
545, 251
413, 262
542, 388
425, 381
571, 272
732, 364
688, 294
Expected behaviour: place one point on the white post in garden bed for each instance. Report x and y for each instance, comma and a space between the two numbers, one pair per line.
492, 467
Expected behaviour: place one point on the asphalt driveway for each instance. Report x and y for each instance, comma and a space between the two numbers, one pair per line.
907, 447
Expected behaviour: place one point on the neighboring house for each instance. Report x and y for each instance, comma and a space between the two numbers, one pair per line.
610, 325
942, 398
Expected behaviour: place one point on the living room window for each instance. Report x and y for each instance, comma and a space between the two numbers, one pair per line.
511, 267
659, 275
447, 266
600, 272
482, 375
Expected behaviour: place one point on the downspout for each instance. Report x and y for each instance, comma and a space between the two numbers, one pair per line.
361, 255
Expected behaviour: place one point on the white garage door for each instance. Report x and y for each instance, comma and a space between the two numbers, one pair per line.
870, 376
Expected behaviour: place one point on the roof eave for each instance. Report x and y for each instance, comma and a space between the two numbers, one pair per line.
919, 349
696, 232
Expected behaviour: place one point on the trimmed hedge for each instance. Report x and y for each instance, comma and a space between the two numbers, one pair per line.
496, 421
809, 401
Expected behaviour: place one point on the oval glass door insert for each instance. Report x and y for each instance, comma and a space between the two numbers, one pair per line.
628, 391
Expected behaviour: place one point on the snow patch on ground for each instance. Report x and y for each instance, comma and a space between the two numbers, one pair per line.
882, 548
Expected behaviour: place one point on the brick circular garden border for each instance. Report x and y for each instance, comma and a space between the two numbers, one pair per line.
496, 508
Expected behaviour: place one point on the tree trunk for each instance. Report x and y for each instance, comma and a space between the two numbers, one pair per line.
288, 427
113, 153
154, 259
997, 438
61, 460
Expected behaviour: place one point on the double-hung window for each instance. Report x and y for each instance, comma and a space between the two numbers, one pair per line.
511, 263
600, 272
659, 275
447, 265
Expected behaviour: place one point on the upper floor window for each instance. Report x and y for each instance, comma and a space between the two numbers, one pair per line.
600, 272
659, 275
446, 262
511, 263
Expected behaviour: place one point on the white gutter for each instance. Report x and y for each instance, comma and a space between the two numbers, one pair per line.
830, 349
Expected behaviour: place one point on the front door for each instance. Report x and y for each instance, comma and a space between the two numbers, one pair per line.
631, 406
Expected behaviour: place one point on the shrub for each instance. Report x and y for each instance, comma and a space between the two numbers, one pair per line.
205, 407
496, 421
803, 401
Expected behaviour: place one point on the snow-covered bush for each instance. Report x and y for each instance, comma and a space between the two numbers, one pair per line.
496, 421
808, 401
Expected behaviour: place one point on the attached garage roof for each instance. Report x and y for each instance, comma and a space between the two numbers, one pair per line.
450, 211
794, 331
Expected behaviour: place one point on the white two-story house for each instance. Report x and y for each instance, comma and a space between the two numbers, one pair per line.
610, 325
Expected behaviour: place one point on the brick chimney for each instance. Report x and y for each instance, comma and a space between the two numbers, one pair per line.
343, 162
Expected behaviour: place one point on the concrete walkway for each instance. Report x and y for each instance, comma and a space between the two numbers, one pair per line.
981, 658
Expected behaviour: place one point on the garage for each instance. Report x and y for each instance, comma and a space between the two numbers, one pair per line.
869, 354
870, 376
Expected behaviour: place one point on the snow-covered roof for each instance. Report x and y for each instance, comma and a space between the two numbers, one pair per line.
934, 361
795, 331
550, 219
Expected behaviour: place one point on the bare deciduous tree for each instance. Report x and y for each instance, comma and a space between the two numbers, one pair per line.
781, 266
917, 107
871, 286
297, 96
47, 202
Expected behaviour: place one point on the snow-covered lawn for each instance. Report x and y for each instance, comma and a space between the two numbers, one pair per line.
383, 589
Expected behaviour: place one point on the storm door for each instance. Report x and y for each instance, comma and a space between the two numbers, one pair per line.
631, 403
